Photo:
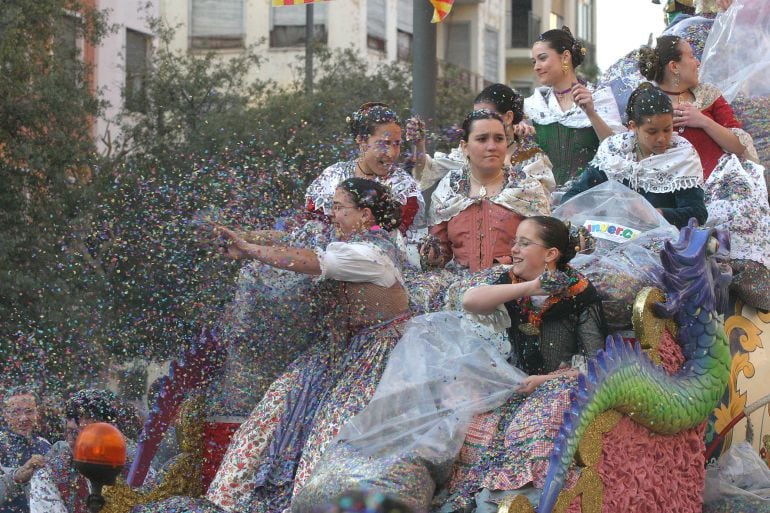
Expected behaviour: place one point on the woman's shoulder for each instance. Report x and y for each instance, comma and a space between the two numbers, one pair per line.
705, 95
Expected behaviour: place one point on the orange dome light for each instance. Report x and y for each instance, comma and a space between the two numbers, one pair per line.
100, 453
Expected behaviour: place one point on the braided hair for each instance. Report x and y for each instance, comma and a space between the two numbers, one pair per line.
504, 99
562, 40
555, 234
376, 197
647, 100
652, 62
477, 115
368, 117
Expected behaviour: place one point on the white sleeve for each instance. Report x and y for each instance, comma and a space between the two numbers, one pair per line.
607, 108
357, 262
44, 496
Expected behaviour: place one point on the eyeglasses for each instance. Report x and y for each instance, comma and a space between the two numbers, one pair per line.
18, 412
336, 207
525, 243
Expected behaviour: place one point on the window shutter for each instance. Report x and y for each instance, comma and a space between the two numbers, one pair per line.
490, 54
217, 18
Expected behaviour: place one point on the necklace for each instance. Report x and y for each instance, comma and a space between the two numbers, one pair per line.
483, 185
565, 91
678, 95
360, 168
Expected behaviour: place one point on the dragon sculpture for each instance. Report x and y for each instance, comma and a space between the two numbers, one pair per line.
623, 378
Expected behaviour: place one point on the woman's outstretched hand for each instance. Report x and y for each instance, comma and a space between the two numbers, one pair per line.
230, 243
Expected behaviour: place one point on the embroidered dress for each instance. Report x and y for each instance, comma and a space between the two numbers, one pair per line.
508, 448
319, 194
671, 181
476, 232
277, 448
567, 137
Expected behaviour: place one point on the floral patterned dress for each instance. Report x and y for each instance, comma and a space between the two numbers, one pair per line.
273, 453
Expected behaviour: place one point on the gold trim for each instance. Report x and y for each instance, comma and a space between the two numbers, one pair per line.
648, 328
183, 476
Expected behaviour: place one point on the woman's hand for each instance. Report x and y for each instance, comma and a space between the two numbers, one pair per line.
687, 114
523, 129
431, 254
530, 383
415, 133
583, 98
231, 244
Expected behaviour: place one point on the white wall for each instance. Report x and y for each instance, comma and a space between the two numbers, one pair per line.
110, 57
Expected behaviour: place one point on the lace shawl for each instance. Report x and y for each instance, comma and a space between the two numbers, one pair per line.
677, 169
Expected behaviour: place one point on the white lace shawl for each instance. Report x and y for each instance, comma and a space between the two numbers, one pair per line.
677, 169
543, 108
522, 193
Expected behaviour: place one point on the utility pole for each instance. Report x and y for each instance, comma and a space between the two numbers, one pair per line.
309, 43
424, 65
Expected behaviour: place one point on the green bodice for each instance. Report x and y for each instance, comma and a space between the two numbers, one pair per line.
570, 149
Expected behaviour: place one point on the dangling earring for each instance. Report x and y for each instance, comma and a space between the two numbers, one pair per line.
676, 79
564, 67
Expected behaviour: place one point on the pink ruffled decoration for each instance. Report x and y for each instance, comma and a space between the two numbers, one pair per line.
665, 472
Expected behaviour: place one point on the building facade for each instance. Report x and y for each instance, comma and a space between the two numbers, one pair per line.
526, 19
472, 37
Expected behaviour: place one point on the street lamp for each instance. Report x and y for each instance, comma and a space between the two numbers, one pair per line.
99, 455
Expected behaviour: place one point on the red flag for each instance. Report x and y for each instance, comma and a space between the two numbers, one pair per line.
441, 9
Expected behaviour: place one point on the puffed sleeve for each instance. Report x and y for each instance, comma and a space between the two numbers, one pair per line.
607, 108
358, 262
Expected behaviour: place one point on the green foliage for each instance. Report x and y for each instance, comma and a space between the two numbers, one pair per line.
101, 258
46, 156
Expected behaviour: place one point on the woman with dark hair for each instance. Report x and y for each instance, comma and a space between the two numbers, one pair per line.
554, 320
701, 114
278, 446
650, 159
509, 104
476, 208
570, 117
735, 187
377, 132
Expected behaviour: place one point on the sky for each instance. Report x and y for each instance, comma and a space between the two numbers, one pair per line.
623, 25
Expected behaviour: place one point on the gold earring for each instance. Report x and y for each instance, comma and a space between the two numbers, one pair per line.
676, 79
564, 67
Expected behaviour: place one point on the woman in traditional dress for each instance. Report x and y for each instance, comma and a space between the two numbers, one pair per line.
522, 150
736, 192
377, 132
271, 321
571, 118
650, 159
302, 410
554, 319
476, 209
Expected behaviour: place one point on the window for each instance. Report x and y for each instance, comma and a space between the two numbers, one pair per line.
491, 59
137, 59
216, 24
404, 29
520, 22
375, 25
65, 45
287, 26
584, 21
458, 46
